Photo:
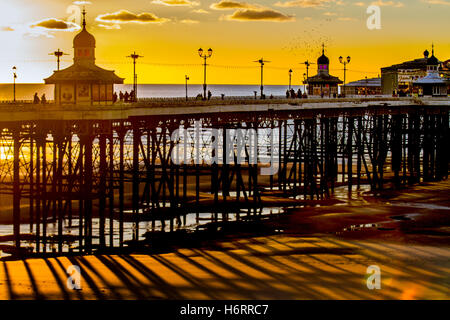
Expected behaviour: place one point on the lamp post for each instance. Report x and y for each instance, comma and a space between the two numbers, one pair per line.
186, 78
204, 57
290, 77
58, 54
366, 86
307, 64
304, 82
344, 62
14, 83
134, 56
262, 62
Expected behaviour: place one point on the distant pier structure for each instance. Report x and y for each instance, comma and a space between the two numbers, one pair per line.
84, 83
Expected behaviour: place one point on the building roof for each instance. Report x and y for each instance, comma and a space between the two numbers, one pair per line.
432, 61
84, 70
84, 39
373, 82
323, 59
84, 73
323, 78
413, 64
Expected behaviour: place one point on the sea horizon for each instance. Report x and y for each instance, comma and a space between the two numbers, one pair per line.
26, 91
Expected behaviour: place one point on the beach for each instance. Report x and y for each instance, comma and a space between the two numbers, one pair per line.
317, 253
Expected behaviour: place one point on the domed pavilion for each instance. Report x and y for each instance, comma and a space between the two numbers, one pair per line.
84, 83
432, 84
323, 84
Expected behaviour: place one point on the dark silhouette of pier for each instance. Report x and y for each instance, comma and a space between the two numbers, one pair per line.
77, 167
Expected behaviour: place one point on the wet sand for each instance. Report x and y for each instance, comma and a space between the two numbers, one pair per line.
323, 253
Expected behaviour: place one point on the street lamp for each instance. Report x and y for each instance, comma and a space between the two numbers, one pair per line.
14, 84
186, 78
58, 54
204, 57
344, 62
134, 56
304, 82
262, 62
290, 76
366, 86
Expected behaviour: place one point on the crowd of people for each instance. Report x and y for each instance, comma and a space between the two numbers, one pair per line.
125, 97
42, 100
291, 94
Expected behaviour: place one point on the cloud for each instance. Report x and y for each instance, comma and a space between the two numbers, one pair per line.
110, 26
227, 5
382, 3
6, 29
55, 24
201, 11
346, 19
442, 2
189, 21
80, 3
359, 4
305, 3
329, 14
124, 16
172, 3
259, 15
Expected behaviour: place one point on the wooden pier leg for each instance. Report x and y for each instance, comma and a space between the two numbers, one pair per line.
135, 190
88, 192
121, 134
360, 150
102, 189
350, 154
38, 191
31, 178
59, 182
111, 189
45, 205
16, 186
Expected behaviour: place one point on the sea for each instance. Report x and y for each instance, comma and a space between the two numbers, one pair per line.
26, 91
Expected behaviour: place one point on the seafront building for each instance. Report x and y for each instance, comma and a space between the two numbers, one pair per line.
84, 83
363, 87
400, 78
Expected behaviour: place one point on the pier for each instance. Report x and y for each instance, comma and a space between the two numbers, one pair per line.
92, 171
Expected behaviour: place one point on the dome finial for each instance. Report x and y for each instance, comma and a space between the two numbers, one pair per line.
432, 49
84, 17
323, 48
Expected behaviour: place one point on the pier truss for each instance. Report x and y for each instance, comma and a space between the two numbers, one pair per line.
83, 185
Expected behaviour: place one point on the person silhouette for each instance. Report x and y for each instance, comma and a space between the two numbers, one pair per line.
36, 99
43, 99
209, 95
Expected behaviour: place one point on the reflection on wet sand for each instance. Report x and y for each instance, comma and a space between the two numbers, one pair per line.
308, 253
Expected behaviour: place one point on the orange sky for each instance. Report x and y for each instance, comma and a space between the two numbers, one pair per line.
169, 32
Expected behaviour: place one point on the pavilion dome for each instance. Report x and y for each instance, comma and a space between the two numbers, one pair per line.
432, 61
84, 39
323, 59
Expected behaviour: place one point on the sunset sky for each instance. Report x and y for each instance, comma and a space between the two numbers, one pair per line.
168, 34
